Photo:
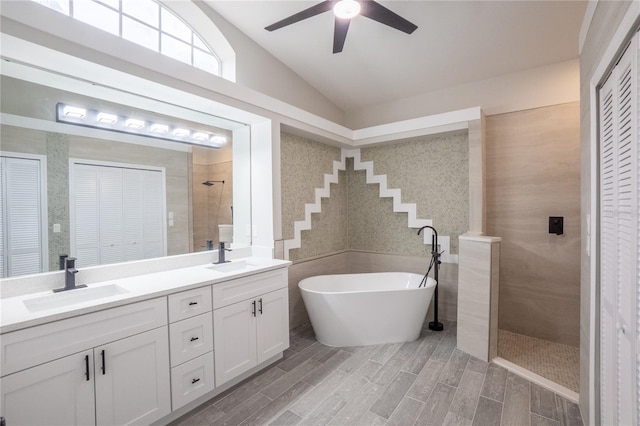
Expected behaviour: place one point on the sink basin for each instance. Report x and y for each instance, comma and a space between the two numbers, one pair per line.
232, 266
72, 297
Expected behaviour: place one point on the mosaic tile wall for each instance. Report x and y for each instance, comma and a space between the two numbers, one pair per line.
58, 196
303, 165
428, 169
432, 172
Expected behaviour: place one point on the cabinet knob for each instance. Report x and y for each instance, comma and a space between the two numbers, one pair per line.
195, 381
193, 303
193, 339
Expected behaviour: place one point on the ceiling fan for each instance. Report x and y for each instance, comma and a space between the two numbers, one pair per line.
344, 11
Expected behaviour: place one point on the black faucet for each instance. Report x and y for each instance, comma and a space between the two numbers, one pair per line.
70, 272
221, 250
434, 325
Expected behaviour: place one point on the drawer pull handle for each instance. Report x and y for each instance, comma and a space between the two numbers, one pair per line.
86, 367
193, 339
195, 381
104, 367
193, 303
260, 301
253, 311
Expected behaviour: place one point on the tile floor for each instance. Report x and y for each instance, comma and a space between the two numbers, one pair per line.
426, 382
554, 361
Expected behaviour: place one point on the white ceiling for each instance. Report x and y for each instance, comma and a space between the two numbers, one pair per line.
456, 42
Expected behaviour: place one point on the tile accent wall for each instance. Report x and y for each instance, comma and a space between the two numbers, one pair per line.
371, 225
533, 172
58, 197
432, 172
303, 163
357, 231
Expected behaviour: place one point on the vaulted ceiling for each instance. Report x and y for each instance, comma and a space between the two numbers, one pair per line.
456, 42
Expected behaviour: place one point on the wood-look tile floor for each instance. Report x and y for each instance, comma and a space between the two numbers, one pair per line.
426, 382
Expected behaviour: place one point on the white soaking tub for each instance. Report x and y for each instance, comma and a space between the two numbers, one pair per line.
366, 309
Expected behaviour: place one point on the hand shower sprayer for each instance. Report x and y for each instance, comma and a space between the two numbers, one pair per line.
435, 325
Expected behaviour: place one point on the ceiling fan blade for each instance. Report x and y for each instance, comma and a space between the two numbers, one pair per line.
378, 12
340, 33
307, 13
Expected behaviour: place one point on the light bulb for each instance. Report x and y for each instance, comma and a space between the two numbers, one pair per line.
346, 9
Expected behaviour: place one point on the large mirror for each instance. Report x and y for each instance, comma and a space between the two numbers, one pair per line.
107, 197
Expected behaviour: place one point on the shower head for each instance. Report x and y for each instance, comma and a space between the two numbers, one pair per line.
211, 182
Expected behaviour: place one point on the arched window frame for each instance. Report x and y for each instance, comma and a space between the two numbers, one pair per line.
192, 16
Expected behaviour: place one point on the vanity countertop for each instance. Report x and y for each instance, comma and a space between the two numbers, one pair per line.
38, 308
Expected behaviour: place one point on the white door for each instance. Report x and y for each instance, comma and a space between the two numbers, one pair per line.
234, 340
23, 227
619, 241
132, 379
56, 393
273, 324
117, 213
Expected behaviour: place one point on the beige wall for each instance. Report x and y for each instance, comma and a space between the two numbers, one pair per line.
533, 172
606, 21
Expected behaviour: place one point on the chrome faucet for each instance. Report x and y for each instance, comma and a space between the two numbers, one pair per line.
70, 272
221, 250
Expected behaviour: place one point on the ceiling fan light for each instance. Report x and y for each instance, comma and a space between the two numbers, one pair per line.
346, 9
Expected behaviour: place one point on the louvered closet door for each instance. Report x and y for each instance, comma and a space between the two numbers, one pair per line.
619, 241
22, 233
119, 214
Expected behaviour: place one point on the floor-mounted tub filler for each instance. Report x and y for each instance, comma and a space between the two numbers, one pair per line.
366, 309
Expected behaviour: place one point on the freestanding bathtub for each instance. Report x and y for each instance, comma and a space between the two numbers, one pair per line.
366, 309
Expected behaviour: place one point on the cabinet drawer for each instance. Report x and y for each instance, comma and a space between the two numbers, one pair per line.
245, 288
191, 338
37, 345
189, 303
191, 380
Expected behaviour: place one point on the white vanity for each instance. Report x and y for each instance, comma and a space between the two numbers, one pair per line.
142, 349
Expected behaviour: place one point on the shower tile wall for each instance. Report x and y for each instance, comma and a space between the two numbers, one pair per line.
533, 172
211, 204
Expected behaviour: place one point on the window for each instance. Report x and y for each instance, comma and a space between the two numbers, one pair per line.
146, 23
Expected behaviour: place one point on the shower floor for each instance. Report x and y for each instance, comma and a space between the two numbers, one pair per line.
554, 361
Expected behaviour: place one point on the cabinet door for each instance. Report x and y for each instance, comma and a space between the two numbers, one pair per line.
56, 393
234, 340
132, 379
273, 324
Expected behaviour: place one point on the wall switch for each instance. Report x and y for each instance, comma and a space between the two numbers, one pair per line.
56, 227
170, 222
556, 225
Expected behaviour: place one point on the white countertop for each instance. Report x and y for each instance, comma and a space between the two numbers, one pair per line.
14, 314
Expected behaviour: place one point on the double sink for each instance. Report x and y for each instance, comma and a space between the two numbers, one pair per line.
96, 293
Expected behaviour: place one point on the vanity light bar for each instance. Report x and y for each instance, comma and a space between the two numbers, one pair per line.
87, 117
